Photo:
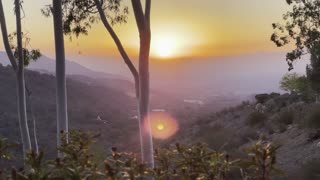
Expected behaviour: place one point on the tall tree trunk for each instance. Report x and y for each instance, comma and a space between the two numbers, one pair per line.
142, 77
5, 38
62, 116
34, 123
22, 108
143, 24
144, 94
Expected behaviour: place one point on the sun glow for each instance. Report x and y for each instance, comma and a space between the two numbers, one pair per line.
163, 126
165, 47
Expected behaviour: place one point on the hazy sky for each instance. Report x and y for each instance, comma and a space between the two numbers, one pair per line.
180, 28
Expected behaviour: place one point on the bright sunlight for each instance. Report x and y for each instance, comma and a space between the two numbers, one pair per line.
165, 47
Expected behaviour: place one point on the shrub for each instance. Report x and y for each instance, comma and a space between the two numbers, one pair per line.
256, 119
313, 118
5, 148
309, 171
175, 162
294, 83
286, 117
219, 137
262, 161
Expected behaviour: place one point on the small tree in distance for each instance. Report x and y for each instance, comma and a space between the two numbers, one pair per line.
294, 83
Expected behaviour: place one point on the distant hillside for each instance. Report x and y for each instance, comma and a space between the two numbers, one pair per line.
202, 78
111, 99
85, 103
47, 65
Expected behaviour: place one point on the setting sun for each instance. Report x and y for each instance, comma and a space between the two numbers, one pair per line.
165, 47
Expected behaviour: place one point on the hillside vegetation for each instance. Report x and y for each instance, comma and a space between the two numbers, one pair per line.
287, 120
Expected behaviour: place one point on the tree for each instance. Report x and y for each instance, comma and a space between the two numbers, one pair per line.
18, 59
303, 28
78, 17
28, 56
62, 113
294, 83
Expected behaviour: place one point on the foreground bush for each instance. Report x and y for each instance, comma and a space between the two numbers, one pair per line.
176, 162
256, 119
312, 119
286, 117
309, 171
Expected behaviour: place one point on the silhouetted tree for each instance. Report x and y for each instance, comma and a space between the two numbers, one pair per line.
301, 27
78, 17
62, 112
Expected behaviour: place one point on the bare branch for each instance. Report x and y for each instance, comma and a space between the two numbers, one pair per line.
140, 17
5, 38
119, 45
147, 11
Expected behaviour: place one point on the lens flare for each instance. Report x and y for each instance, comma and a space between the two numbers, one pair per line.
160, 127
163, 126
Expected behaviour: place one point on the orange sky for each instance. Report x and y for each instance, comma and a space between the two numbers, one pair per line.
180, 28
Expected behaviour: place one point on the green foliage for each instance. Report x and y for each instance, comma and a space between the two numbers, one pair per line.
262, 161
37, 168
79, 15
176, 162
256, 119
29, 55
294, 83
77, 161
313, 70
121, 165
5, 148
195, 162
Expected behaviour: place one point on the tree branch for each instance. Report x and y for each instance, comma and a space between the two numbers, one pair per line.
140, 17
120, 47
5, 38
147, 11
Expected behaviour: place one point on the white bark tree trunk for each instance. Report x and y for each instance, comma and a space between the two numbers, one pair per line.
5, 39
62, 116
144, 92
141, 78
22, 108
34, 123
143, 24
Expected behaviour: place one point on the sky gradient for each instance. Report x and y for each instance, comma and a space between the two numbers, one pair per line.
180, 28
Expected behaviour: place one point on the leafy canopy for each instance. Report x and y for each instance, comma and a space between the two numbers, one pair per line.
28, 55
294, 83
79, 15
301, 26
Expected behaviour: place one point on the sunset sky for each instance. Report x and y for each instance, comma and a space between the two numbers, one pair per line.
180, 28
